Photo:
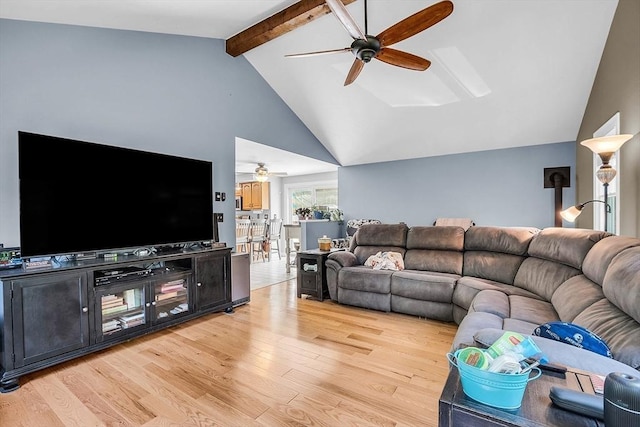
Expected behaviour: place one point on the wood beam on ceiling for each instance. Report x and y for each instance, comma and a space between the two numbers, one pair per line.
286, 20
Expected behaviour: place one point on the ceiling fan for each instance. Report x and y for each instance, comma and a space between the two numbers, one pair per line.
366, 47
261, 173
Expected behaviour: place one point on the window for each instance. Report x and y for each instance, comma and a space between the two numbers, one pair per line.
611, 127
305, 195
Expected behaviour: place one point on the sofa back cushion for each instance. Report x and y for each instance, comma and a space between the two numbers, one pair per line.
495, 253
574, 296
543, 277
506, 240
567, 246
373, 238
435, 249
599, 257
621, 284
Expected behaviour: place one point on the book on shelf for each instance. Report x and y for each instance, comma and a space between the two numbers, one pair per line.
114, 310
112, 303
132, 324
170, 288
109, 297
132, 317
166, 295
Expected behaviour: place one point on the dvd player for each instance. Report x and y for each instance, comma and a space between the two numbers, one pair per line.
105, 277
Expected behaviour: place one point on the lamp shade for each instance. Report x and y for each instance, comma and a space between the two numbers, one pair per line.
606, 144
570, 214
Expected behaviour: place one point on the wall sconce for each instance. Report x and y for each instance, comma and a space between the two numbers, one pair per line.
605, 147
570, 214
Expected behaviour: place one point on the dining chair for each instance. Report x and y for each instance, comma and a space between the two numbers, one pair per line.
242, 235
257, 237
274, 235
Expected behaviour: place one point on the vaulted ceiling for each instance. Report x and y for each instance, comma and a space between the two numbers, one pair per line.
503, 74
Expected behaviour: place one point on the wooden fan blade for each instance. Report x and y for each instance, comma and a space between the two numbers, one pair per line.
320, 52
356, 67
341, 12
415, 23
403, 59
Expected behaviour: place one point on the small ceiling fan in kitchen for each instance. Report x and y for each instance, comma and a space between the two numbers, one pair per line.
367, 47
261, 173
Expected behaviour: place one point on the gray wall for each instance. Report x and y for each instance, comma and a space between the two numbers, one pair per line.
498, 187
162, 93
616, 88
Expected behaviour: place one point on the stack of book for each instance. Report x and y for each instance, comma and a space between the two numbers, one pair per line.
132, 320
111, 304
172, 286
170, 290
111, 326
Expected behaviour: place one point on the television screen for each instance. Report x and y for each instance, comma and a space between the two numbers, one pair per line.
78, 197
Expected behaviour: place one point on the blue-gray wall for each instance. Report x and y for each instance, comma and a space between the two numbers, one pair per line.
498, 187
163, 93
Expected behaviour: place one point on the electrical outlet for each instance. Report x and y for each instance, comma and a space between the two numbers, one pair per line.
218, 196
219, 217
224, 196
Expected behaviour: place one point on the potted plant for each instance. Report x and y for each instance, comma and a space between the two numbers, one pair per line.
303, 213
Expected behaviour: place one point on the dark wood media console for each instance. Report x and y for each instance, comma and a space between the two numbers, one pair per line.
55, 314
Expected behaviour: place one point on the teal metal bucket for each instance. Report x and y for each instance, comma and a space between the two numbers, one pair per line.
503, 391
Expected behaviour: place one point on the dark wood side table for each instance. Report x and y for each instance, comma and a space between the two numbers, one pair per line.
312, 279
456, 409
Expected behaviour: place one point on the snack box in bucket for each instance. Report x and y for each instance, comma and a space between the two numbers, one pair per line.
503, 391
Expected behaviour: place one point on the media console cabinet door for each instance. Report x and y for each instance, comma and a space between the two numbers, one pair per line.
50, 316
213, 281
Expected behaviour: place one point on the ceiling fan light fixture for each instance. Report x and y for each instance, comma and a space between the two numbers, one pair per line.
261, 176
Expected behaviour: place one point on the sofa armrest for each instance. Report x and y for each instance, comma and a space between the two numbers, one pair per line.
343, 259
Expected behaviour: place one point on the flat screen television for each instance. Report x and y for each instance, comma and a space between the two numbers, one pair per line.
78, 197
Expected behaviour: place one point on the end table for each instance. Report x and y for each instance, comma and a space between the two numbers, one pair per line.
312, 279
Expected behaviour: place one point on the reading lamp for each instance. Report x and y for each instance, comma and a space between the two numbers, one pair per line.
570, 214
604, 147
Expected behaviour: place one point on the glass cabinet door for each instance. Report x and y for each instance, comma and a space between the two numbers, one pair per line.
120, 310
171, 298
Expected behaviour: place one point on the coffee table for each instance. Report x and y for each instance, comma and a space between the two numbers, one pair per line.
456, 409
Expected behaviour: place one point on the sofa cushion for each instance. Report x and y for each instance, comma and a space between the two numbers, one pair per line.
560, 353
543, 277
491, 265
531, 310
508, 240
424, 285
564, 298
491, 301
434, 260
599, 257
565, 245
361, 278
621, 284
444, 238
468, 287
616, 328
363, 253
382, 235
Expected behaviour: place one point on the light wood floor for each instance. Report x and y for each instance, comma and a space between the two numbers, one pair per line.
276, 361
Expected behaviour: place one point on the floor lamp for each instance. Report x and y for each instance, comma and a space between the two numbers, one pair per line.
604, 147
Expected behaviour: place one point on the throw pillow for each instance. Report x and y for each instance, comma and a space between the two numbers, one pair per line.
575, 335
385, 261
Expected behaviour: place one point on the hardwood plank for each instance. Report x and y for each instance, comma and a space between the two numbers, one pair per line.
279, 360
